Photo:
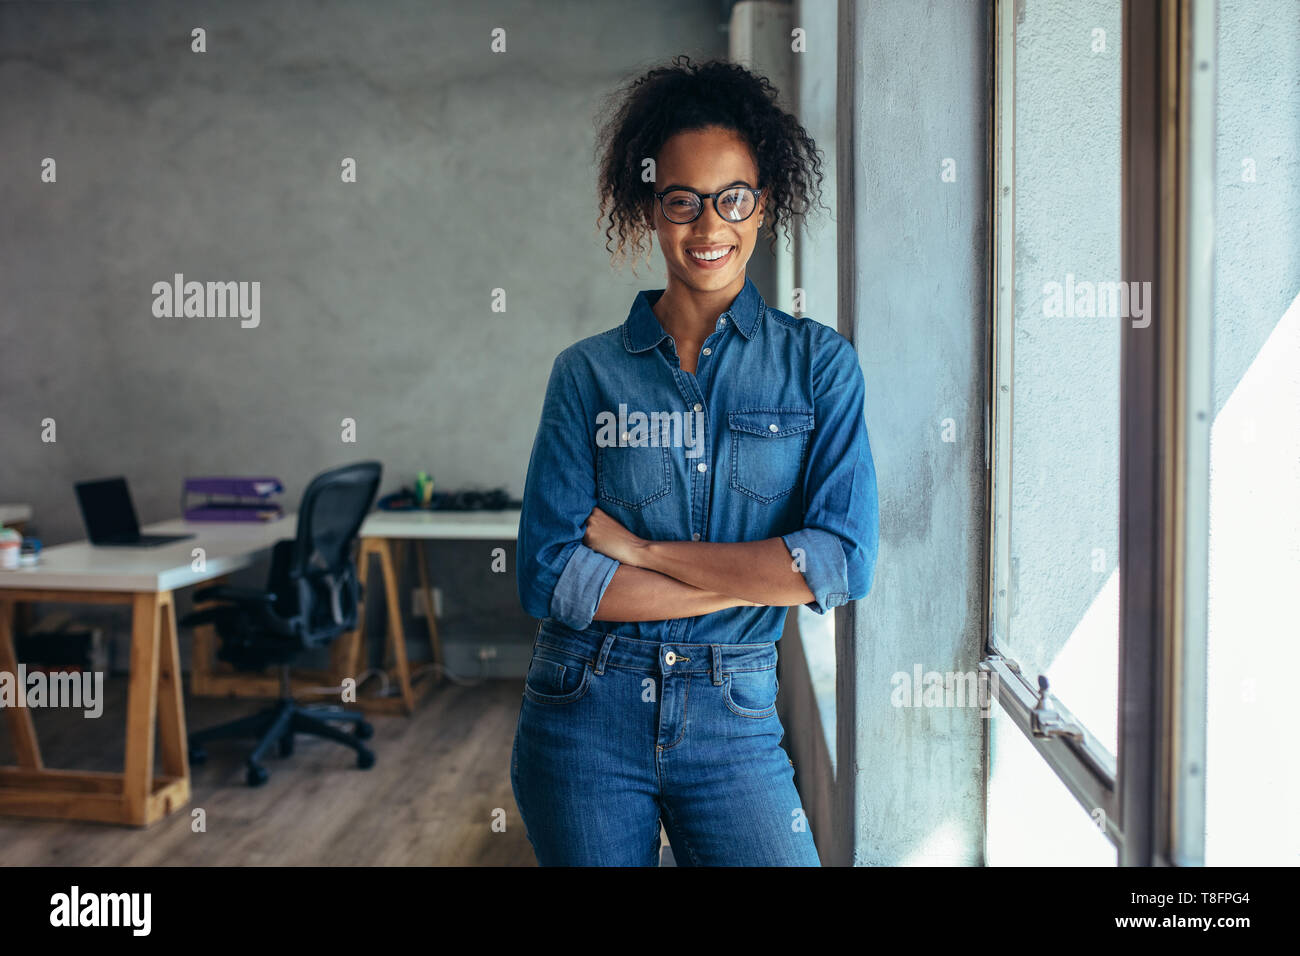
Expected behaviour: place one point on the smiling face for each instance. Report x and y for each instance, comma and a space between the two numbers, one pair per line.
707, 161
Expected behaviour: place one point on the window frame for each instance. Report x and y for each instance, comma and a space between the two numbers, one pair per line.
1152, 793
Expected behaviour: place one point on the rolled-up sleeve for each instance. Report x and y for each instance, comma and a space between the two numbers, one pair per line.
557, 575
836, 547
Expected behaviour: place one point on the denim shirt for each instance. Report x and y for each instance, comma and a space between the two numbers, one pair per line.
769, 439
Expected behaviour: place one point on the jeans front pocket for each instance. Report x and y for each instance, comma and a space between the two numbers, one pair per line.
552, 682
767, 450
632, 476
750, 693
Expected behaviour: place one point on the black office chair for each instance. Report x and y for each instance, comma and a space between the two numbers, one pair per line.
311, 598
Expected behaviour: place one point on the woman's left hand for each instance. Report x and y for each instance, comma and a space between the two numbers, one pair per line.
606, 535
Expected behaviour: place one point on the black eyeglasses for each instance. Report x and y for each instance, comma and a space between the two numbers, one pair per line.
734, 204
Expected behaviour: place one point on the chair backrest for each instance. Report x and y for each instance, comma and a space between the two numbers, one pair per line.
322, 570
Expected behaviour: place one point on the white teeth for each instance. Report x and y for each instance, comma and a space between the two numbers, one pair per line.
711, 256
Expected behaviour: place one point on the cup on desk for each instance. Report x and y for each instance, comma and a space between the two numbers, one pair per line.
17, 551
11, 543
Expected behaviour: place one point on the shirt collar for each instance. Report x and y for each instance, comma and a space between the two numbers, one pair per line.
643, 331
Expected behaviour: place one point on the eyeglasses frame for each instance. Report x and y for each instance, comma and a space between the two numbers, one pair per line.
756, 190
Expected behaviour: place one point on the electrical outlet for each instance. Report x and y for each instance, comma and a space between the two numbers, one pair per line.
418, 608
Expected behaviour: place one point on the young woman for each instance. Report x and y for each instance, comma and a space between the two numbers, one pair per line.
697, 471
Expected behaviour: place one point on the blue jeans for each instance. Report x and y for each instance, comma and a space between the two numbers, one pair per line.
617, 734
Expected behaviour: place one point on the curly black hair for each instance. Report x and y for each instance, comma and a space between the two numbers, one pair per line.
646, 113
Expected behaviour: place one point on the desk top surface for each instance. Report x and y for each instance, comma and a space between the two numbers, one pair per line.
442, 524
80, 565
227, 546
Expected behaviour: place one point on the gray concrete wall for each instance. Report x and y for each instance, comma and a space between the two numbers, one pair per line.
912, 294
808, 646
474, 173
756, 31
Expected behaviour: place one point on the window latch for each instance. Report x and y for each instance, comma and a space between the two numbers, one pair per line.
1045, 721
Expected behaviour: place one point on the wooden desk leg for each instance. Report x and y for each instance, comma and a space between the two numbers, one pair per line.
430, 611
346, 649
175, 751
19, 719
135, 796
204, 649
396, 637
345, 655
141, 706
21, 621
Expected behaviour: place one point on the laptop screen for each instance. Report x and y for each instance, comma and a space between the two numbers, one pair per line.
106, 508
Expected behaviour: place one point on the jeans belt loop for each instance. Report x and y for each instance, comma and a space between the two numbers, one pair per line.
717, 664
605, 648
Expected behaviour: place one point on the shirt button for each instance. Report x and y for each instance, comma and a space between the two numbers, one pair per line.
770, 428
722, 321
670, 658
707, 351
699, 407
695, 536
701, 466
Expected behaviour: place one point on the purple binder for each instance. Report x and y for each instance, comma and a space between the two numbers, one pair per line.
232, 499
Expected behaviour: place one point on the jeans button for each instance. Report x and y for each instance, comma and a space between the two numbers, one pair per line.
670, 658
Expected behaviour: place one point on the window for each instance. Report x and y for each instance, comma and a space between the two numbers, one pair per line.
1099, 424
1057, 611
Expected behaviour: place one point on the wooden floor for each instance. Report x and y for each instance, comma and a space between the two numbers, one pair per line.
430, 799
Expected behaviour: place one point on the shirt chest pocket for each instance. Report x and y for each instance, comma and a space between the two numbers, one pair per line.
632, 476
768, 446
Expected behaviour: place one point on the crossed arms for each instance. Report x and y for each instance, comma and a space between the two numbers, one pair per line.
657, 580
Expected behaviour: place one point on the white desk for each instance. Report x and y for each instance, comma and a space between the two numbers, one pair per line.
442, 524
143, 578
378, 533
227, 547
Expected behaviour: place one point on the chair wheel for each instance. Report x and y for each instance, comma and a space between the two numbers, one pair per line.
198, 755
363, 731
286, 745
365, 759
256, 775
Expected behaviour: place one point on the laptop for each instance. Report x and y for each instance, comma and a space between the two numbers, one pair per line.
110, 517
